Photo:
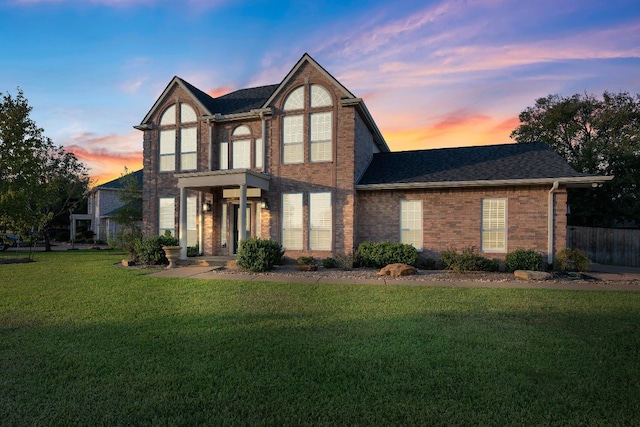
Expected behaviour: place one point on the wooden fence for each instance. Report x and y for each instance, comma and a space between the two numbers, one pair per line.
616, 246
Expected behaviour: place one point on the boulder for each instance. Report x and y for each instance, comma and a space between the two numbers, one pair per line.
532, 275
397, 270
128, 263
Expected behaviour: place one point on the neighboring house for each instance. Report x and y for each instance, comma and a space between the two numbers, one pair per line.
303, 163
104, 202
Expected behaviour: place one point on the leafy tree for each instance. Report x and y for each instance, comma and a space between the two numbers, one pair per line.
595, 136
129, 215
39, 182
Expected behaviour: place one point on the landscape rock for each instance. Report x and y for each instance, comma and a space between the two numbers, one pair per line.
128, 263
532, 275
397, 270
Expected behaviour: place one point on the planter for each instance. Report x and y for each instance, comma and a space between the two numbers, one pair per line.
173, 254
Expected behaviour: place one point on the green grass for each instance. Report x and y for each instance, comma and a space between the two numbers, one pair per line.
83, 342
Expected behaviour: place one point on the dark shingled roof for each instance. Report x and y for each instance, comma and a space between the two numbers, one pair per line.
239, 101
118, 184
482, 163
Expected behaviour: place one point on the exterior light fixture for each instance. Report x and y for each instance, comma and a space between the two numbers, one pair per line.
206, 206
265, 204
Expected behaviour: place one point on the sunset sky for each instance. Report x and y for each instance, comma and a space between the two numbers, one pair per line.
432, 73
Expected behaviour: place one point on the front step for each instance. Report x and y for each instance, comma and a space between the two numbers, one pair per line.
207, 261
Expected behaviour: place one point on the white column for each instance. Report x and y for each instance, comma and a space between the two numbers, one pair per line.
183, 223
243, 213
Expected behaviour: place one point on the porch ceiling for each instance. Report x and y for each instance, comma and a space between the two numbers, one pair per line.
204, 181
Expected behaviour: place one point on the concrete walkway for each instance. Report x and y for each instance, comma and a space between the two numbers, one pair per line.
611, 279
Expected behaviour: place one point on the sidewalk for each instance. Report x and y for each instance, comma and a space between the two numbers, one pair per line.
611, 279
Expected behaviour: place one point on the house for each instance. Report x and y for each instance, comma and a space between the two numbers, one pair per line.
104, 202
303, 163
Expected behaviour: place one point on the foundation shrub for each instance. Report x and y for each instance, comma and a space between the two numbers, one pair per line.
467, 260
330, 263
258, 255
571, 260
381, 254
523, 259
149, 250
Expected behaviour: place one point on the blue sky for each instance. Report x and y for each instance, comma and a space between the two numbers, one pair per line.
433, 73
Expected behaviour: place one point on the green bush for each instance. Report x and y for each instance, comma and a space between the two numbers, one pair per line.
329, 263
257, 254
571, 260
468, 260
149, 250
192, 251
305, 260
524, 259
380, 254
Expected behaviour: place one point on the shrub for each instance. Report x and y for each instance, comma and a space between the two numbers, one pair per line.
255, 254
380, 254
192, 251
149, 250
306, 260
345, 261
523, 259
571, 260
468, 260
329, 263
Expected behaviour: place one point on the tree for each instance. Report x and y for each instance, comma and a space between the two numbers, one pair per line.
39, 181
595, 136
129, 215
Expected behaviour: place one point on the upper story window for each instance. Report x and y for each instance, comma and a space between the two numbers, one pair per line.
178, 131
307, 121
237, 154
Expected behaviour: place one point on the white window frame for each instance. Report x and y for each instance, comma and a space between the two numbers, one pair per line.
292, 217
167, 159
320, 221
259, 162
493, 237
320, 136
293, 139
167, 215
411, 220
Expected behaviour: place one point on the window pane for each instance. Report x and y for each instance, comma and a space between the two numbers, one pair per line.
320, 136
319, 97
192, 206
169, 116
411, 222
223, 226
167, 212
494, 220
167, 162
295, 100
293, 139
259, 154
292, 220
224, 155
320, 221
187, 114
168, 141
188, 147
241, 130
241, 154
188, 161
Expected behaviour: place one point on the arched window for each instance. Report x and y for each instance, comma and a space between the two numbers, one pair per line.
312, 118
184, 136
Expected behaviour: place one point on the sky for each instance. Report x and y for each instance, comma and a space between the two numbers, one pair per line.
433, 74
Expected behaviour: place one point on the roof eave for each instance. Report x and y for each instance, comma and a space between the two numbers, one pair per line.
572, 182
253, 114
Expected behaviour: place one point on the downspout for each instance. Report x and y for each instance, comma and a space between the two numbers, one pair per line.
264, 142
550, 234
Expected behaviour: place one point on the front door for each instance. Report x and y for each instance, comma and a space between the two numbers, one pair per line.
236, 225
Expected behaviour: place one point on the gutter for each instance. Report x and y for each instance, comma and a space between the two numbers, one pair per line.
550, 211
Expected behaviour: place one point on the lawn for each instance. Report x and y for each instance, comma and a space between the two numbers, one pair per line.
84, 342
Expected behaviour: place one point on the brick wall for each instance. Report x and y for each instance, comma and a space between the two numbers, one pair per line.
452, 217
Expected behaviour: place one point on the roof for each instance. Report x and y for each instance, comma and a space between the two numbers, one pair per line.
239, 101
505, 163
119, 183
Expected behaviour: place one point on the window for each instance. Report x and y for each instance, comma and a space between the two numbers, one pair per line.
310, 123
224, 155
259, 154
167, 215
320, 220
223, 225
320, 136
167, 150
241, 154
411, 223
192, 209
185, 136
494, 225
292, 220
293, 140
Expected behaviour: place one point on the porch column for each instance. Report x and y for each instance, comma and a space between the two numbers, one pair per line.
183, 223
243, 213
